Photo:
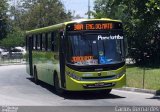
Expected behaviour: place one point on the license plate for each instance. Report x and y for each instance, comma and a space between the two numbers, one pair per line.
99, 85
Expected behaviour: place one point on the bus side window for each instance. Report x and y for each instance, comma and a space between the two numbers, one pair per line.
36, 39
43, 42
34, 42
46, 41
56, 43
38, 42
52, 41
49, 42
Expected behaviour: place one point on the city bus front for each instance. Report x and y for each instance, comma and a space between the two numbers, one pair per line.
95, 56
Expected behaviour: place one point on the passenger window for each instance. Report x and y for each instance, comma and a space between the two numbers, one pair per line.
34, 42
52, 41
43, 42
49, 42
36, 39
56, 43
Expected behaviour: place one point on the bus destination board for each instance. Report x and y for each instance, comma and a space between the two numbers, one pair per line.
93, 26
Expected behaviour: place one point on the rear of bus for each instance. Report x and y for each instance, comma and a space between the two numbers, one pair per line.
94, 55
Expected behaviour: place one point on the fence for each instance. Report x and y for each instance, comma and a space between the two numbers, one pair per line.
143, 76
10, 60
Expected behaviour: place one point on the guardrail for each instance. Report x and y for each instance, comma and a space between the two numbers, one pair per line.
11, 60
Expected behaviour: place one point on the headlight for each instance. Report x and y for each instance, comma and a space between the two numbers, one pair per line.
120, 74
73, 76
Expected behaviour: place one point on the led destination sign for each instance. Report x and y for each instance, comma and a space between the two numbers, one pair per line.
93, 26
102, 26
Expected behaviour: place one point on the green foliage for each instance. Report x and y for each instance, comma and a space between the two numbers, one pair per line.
107, 8
3, 18
27, 15
13, 39
31, 14
141, 20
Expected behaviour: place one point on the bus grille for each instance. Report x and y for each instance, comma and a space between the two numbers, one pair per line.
99, 78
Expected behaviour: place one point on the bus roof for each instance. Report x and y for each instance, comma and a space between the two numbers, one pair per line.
82, 20
45, 29
62, 25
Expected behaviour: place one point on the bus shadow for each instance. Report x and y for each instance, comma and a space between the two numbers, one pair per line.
155, 97
85, 95
89, 95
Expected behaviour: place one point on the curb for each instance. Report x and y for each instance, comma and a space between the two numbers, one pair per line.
155, 92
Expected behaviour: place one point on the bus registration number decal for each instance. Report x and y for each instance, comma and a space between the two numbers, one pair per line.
81, 58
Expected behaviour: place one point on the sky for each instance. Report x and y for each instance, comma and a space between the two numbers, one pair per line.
79, 6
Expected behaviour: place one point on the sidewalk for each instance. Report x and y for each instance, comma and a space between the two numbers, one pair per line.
155, 92
12, 63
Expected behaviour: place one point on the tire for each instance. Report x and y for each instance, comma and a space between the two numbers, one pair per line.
35, 76
57, 88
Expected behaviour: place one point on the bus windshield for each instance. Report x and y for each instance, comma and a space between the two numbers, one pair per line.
95, 48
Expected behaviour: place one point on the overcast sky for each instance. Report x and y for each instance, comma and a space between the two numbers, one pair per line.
79, 6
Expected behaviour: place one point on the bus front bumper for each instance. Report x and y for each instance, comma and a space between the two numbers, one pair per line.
75, 85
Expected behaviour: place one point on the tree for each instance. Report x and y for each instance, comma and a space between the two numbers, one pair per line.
108, 8
77, 17
32, 14
13, 39
27, 15
3, 18
141, 19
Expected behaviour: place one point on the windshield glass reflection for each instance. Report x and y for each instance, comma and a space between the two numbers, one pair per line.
94, 49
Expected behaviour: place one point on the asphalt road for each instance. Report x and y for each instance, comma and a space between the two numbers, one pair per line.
17, 88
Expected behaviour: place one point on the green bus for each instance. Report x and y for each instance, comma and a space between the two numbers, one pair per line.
80, 55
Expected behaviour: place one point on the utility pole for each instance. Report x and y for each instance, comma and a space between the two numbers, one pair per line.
89, 16
14, 3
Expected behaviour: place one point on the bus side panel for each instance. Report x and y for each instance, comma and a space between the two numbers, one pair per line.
40, 62
53, 66
46, 64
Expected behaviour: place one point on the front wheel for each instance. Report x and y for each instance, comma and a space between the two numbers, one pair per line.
57, 88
